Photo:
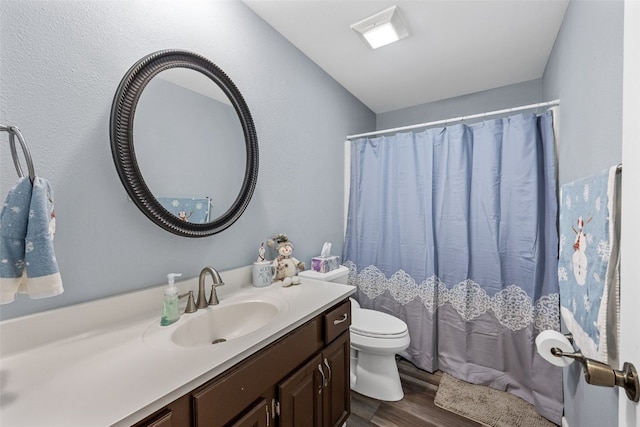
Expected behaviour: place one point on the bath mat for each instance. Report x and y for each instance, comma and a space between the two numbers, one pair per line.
487, 406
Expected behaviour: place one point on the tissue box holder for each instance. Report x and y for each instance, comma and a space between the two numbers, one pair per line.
325, 264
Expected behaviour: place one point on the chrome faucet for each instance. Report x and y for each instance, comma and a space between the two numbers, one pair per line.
217, 281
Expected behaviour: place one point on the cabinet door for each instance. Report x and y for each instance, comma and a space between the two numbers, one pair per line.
336, 394
258, 416
301, 395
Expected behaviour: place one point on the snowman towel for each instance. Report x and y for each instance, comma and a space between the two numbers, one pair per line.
589, 263
27, 260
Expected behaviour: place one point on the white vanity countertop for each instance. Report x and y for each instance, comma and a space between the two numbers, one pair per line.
88, 365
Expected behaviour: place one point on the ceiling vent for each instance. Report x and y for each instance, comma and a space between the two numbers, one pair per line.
382, 28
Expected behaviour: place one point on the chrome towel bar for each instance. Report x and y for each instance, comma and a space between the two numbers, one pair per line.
13, 133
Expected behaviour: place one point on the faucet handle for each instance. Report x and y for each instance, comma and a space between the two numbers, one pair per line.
191, 303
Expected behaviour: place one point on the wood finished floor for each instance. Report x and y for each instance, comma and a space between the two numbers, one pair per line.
416, 409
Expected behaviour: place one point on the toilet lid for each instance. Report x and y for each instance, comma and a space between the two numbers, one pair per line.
372, 323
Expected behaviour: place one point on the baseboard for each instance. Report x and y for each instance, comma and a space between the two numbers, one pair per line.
565, 423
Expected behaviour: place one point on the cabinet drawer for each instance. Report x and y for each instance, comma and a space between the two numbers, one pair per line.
161, 420
336, 321
175, 414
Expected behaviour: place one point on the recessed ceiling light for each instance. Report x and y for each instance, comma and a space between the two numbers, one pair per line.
382, 28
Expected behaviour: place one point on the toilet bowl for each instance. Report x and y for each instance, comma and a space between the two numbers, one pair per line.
376, 338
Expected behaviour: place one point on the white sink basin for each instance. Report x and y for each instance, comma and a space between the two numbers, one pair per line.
223, 323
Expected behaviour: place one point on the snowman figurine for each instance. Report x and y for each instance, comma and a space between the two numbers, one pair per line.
285, 266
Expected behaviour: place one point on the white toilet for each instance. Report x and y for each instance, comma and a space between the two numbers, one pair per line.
376, 338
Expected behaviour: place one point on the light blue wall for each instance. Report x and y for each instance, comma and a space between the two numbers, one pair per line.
60, 65
585, 72
489, 100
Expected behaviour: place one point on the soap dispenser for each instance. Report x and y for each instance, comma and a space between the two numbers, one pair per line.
170, 313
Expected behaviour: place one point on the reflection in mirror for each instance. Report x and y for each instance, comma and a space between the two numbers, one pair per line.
174, 143
189, 144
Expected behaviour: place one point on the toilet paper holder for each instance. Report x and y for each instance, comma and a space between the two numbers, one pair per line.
601, 374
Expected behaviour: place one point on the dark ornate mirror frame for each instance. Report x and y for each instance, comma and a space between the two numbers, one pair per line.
123, 149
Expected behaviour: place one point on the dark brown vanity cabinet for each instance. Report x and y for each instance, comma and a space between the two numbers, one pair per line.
300, 380
317, 394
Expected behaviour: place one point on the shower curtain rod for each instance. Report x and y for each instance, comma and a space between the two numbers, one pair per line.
458, 119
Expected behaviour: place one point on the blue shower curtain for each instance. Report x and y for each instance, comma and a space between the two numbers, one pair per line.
454, 231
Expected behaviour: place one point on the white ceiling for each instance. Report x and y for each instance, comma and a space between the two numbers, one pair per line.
455, 47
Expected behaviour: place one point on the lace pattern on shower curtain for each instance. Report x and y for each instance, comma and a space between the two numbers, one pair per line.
512, 307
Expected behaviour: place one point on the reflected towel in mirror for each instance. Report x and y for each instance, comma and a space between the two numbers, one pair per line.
195, 211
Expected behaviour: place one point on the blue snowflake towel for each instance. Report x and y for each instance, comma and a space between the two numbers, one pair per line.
13, 230
589, 264
27, 260
191, 210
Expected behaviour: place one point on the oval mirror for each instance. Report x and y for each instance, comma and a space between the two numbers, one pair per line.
184, 143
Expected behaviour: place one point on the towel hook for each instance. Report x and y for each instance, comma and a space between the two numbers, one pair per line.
13, 132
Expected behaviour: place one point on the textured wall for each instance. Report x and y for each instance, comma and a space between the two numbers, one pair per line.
60, 64
585, 72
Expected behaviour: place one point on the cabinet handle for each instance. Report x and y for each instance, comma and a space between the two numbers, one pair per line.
344, 317
266, 408
324, 379
326, 363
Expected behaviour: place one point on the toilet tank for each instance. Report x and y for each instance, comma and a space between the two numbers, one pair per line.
339, 275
